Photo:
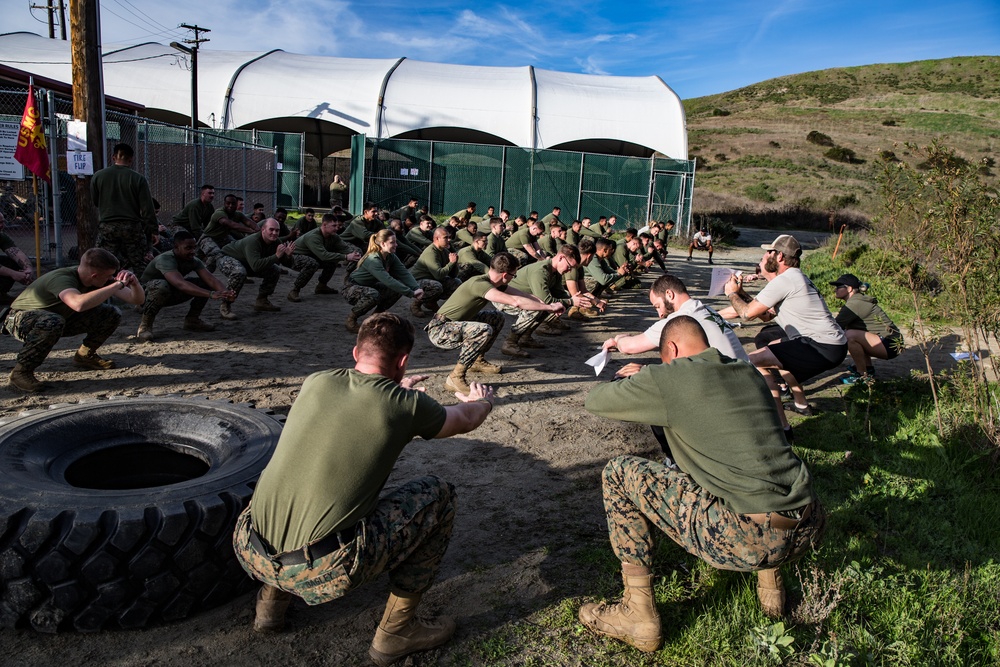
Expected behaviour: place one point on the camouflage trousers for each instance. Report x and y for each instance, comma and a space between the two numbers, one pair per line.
126, 242
522, 257
212, 250
363, 298
406, 534
40, 330
597, 288
640, 494
160, 294
236, 273
433, 290
476, 337
527, 320
306, 266
467, 271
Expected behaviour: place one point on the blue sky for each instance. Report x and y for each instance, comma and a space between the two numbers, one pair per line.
696, 47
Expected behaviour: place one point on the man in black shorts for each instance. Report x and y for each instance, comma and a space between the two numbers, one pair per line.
815, 344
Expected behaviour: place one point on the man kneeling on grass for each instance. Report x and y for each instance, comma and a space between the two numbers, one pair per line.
738, 497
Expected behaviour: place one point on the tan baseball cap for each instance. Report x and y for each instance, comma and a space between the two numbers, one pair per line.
785, 244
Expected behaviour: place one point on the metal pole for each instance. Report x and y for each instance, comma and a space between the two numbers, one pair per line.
62, 19
579, 197
56, 190
503, 176
194, 90
430, 180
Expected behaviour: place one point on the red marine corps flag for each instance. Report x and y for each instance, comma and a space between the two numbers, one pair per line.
31, 149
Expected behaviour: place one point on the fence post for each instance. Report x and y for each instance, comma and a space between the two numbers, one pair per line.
55, 216
579, 196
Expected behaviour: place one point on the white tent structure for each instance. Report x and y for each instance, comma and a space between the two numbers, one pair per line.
332, 99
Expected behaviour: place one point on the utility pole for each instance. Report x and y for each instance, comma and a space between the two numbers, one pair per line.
192, 51
50, 9
62, 19
88, 97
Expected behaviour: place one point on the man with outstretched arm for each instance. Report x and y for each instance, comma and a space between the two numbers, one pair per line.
462, 322
738, 497
319, 523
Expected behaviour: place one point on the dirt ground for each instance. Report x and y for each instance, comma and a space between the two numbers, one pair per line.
528, 479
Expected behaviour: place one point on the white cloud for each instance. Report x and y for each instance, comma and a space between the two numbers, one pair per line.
590, 66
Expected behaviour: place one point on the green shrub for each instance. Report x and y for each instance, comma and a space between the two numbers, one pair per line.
842, 201
841, 154
764, 192
819, 139
774, 144
889, 122
720, 112
720, 157
888, 156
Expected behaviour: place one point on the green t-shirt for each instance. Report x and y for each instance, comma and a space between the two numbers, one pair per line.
550, 245
255, 253
341, 440
862, 312
122, 197
167, 262
521, 238
468, 299
433, 264
6, 242
417, 238
495, 244
195, 216
322, 248
722, 428
543, 282
43, 294
463, 238
218, 231
478, 259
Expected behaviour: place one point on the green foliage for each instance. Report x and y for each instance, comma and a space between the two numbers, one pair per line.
719, 112
889, 122
818, 138
774, 642
768, 162
841, 201
762, 191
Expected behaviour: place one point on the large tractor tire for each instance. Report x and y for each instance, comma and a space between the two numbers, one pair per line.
120, 513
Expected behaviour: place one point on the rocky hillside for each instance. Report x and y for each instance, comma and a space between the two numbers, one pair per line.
796, 148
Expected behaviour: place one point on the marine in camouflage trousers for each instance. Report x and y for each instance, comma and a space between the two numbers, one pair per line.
160, 294
236, 273
212, 250
363, 298
407, 535
522, 257
40, 330
476, 337
527, 320
126, 242
640, 494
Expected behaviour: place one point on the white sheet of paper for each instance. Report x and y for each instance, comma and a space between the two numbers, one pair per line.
963, 356
720, 275
599, 361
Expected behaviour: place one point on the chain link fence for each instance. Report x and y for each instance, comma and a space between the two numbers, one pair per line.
261, 167
447, 176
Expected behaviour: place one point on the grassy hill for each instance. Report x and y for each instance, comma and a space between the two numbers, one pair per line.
757, 165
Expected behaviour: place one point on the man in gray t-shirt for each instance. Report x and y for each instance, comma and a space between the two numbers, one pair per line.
815, 342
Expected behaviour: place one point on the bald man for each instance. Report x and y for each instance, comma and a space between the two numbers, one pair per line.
738, 497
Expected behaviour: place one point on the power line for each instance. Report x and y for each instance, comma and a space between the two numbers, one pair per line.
157, 28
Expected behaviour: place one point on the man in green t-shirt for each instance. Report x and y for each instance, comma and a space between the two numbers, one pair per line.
738, 497
225, 226
166, 285
69, 302
324, 245
461, 320
542, 280
472, 259
319, 524
15, 267
437, 272
196, 215
523, 243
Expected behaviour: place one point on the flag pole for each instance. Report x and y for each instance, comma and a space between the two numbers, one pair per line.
38, 238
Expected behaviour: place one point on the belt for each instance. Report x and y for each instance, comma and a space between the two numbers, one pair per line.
308, 553
781, 522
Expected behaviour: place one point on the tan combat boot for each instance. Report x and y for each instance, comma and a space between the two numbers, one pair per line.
634, 620
293, 296
263, 305
415, 309
352, 323
559, 324
226, 311
88, 358
25, 380
325, 289
145, 332
575, 314
771, 592
547, 329
456, 381
512, 348
480, 365
530, 343
400, 633
272, 603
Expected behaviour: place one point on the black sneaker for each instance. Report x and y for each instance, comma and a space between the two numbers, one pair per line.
805, 412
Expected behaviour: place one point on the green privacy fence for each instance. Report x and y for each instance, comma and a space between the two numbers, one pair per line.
446, 176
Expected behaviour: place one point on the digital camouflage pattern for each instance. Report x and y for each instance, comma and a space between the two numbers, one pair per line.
212, 250
234, 270
126, 242
407, 535
527, 320
433, 290
160, 294
475, 337
39, 330
640, 494
363, 298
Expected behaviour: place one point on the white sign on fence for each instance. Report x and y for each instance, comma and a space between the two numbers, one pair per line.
10, 169
80, 163
76, 135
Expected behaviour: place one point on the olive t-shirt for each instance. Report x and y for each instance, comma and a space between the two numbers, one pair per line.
342, 438
43, 294
167, 262
468, 299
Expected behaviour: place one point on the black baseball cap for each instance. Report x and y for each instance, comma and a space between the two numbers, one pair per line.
849, 280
